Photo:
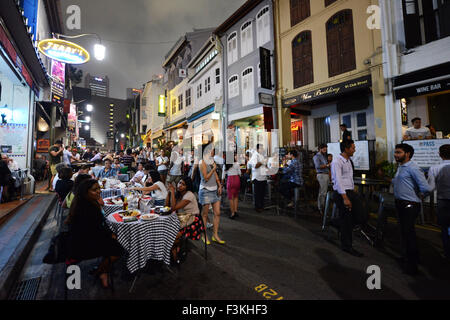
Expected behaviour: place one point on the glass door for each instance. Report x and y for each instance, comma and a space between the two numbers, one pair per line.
356, 123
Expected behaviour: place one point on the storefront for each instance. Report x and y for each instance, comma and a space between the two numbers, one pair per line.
425, 94
203, 127
17, 98
175, 132
316, 115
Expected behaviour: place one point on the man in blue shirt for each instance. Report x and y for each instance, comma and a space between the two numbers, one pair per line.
108, 171
409, 186
293, 177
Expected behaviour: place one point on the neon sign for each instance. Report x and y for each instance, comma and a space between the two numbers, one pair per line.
63, 51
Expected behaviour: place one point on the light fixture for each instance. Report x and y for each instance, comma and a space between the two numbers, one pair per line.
122, 135
99, 51
89, 107
88, 119
86, 127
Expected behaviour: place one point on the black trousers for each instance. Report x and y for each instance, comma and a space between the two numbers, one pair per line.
287, 189
443, 215
349, 219
260, 193
407, 216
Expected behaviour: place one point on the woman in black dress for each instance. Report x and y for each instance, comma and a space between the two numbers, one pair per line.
89, 237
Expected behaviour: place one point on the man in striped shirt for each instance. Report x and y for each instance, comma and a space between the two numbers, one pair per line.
127, 159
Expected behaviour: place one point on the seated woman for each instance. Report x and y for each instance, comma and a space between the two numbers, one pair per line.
184, 203
88, 235
157, 189
64, 184
71, 195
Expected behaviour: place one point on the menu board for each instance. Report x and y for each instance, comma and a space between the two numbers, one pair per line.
360, 159
13, 142
426, 152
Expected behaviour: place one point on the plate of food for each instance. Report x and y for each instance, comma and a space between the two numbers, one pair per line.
130, 213
149, 217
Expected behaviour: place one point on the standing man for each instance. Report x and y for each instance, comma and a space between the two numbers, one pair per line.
347, 200
409, 186
417, 132
67, 156
294, 174
346, 135
323, 174
439, 179
55, 152
259, 176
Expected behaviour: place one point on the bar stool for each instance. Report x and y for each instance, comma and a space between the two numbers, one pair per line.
246, 193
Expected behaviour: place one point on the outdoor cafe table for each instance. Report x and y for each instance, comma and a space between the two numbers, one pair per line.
367, 186
146, 240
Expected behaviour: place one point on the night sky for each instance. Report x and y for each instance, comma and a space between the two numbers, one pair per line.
127, 27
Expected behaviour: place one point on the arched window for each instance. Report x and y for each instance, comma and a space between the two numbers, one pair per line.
302, 60
300, 10
263, 26
248, 87
232, 48
233, 86
340, 43
246, 38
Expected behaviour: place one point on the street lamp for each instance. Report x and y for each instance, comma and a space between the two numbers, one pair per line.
88, 119
86, 127
122, 135
89, 107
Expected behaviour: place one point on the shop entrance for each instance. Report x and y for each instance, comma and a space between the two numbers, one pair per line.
439, 112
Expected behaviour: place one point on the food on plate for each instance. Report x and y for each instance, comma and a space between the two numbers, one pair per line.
149, 216
130, 213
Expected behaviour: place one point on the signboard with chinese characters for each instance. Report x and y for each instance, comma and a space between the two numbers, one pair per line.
426, 152
58, 81
63, 51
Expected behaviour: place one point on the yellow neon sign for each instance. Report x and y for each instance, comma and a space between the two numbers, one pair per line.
162, 105
64, 51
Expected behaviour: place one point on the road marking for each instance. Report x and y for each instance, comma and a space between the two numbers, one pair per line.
267, 292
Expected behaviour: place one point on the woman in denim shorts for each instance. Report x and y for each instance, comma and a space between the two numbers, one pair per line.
210, 191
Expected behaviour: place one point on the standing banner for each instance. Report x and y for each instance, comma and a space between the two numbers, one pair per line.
426, 152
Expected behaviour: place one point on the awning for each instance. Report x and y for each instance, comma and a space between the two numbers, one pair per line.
201, 113
176, 124
157, 134
202, 126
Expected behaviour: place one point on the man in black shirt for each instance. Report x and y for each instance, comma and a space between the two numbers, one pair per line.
346, 135
127, 159
88, 155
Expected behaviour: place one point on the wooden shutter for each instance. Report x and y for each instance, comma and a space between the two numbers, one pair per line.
333, 50
328, 2
411, 24
429, 21
300, 10
444, 21
302, 59
347, 43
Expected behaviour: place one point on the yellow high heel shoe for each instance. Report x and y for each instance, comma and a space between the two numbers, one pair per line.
207, 242
215, 240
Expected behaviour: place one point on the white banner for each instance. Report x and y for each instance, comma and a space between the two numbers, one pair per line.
360, 158
426, 152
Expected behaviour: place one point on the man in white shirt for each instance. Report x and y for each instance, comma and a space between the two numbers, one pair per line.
347, 201
417, 132
67, 156
161, 163
139, 175
258, 164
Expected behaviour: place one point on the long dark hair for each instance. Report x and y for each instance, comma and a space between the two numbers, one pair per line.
78, 180
155, 176
189, 187
228, 165
81, 202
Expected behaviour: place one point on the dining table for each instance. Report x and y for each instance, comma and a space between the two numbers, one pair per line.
145, 240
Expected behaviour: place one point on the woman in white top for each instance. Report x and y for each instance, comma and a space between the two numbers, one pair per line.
233, 171
157, 190
161, 163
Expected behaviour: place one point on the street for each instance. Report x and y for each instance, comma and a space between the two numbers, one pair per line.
265, 257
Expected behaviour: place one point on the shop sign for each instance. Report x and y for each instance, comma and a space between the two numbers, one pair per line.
64, 51
330, 91
426, 152
162, 106
423, 89
266, 99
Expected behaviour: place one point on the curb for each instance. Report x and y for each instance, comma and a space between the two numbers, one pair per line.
11, 272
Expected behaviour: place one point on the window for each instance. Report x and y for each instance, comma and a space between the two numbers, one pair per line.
233, 86
259, 75
425, 21
302, 59
300, 10
217, 76
207, 84
340, 43
232, 48
322, 131
248, 90
356, 123
246, 38
263, 27
180, 102
199, 91
174, 106
328, 2
144, 128
188, 97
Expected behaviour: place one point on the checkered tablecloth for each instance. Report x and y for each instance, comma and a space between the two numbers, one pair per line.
146, 240
108, 193
108, 209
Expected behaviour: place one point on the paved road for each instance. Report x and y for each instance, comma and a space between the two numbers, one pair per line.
268, 257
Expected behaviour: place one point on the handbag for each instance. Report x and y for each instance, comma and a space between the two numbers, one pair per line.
57, 251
